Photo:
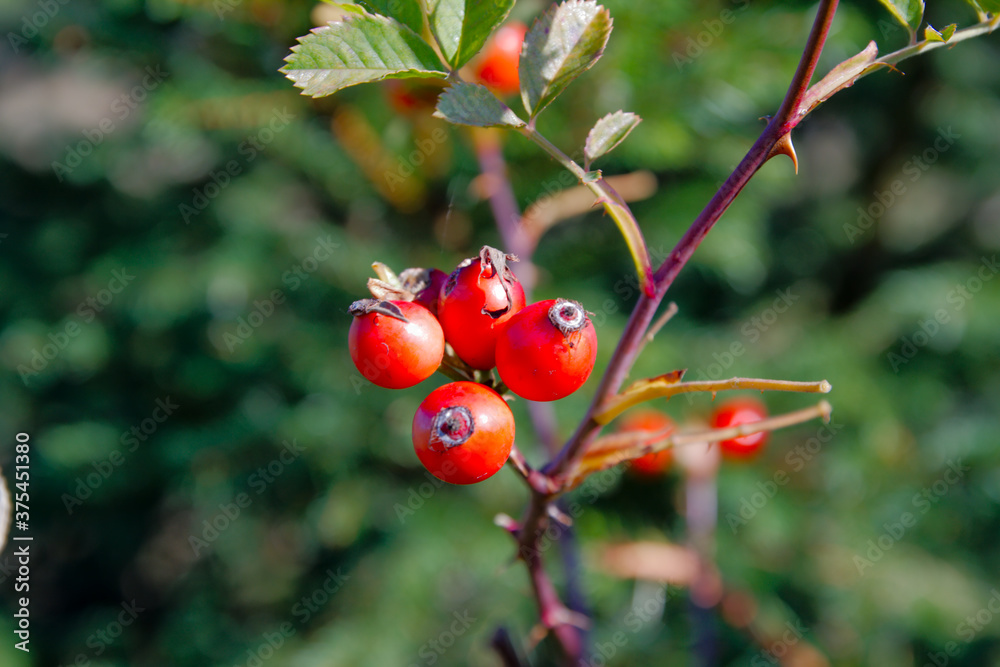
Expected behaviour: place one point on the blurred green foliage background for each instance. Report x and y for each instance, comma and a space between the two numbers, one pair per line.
182, 234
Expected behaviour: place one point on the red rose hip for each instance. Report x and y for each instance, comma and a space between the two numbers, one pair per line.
654, 463
463, 432
498, 66
733, 413
395, 344
547, 351
476, 300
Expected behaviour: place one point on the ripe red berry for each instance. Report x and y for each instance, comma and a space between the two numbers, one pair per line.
497, 68
547, 350
654, 463
463, 432
733, 413
476, 300
395, 344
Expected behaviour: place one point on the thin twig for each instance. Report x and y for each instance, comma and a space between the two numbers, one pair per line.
610, 450
538, 482
646, 390
665, 439
983, 28
656, 326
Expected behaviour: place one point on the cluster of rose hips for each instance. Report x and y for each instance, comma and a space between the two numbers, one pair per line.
468, 323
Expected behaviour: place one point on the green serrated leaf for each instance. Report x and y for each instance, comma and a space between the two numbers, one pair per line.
949, 31
562, 44
359, 49
607, 133
406, 12
991, 6
461, 27
908, 12
473, 104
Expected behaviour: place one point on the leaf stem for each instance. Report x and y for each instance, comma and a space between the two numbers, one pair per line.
613, 204
983, 28
654, 329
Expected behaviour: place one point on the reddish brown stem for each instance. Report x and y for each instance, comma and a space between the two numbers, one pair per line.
630, 342
553, 612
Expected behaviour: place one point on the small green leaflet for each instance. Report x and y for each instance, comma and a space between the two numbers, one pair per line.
607, 133
461, 27
908, 12
562, 44
473, 104
360, 49
932, 35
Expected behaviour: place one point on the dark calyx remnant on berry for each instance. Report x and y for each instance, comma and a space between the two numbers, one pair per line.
363, 307
452, 426
567, 316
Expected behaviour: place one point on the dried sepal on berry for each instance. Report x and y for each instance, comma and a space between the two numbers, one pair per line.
365, 306
413, 284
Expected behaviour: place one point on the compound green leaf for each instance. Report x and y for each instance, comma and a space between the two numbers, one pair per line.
461, 27
473, 104
562, 44
361, 48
